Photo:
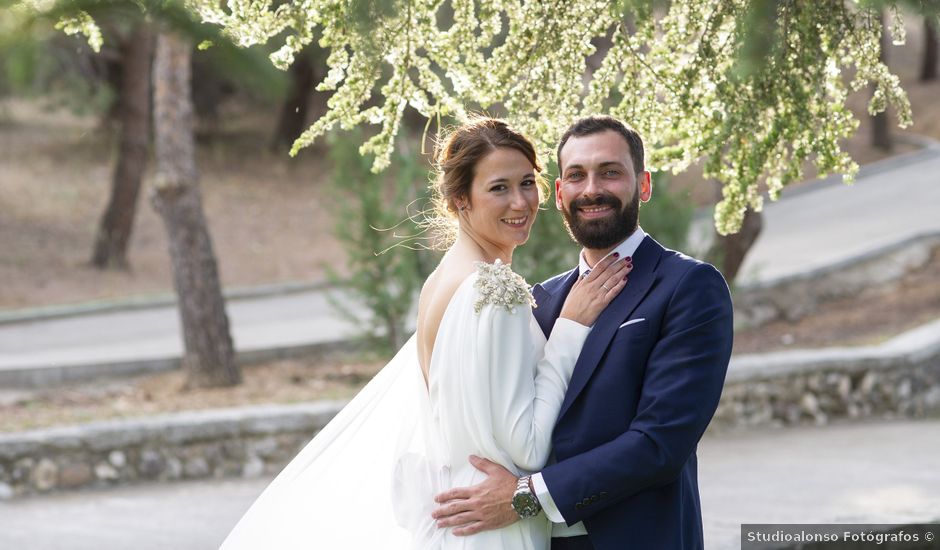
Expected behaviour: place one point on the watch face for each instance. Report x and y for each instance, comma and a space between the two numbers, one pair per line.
524, 505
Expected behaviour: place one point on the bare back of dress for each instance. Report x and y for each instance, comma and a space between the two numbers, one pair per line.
368, 479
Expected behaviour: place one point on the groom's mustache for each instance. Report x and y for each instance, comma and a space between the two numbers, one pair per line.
602, 200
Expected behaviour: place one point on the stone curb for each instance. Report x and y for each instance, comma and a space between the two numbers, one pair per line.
916, 346
900, 378
239, 442
179, 428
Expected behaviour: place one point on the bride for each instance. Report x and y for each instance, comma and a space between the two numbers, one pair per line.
477, 378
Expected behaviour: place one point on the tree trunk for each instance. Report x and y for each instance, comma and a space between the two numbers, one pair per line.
928, 71
880, 131
209, 355
729, 251
117, 222
293, 120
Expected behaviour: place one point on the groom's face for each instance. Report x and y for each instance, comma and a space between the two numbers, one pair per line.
599, 192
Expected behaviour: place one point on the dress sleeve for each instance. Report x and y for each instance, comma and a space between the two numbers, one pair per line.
526, 384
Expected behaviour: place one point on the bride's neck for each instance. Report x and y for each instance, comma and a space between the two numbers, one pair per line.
471, 246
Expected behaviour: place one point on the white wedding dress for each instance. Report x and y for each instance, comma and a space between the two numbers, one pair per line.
368, 479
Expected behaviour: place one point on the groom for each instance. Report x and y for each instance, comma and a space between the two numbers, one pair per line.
647, 382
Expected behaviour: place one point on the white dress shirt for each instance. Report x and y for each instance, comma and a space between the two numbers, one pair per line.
560, 528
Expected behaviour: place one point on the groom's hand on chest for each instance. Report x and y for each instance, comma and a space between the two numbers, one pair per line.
482, 507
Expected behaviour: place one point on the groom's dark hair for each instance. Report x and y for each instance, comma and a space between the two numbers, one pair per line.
596, 124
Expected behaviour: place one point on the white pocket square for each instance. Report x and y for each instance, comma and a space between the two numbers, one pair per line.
631, 321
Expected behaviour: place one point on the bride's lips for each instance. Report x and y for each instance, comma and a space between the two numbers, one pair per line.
515, 222
596, 211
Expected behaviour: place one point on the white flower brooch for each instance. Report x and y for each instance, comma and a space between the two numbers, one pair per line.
499, 285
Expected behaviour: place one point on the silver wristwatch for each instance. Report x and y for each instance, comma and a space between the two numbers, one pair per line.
524, 501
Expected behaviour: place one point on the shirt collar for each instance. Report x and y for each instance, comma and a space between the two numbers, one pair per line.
626, 248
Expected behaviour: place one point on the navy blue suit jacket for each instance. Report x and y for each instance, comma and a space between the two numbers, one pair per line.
638, 402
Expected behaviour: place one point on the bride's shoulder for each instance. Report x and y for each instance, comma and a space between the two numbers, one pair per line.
499, 285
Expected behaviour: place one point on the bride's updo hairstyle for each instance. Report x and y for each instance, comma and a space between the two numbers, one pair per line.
455, 160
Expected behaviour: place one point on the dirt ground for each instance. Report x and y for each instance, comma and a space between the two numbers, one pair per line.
267, 213
871, 317
282, 381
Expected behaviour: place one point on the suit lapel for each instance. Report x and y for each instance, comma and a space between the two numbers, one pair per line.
549, 303
645, 261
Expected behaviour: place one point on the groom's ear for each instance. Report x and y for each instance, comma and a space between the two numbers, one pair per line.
646, 186
558, 193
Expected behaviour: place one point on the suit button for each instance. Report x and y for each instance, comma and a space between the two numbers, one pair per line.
603, 494
577, 506
594, 498
586, 501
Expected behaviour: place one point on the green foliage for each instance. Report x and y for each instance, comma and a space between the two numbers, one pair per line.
82, 23
28, 61
385, 273
668, 215
35, 65
27, 19
21, 65
549, 250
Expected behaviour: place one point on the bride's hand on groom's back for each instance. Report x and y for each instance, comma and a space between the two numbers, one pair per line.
592, 293
485, 506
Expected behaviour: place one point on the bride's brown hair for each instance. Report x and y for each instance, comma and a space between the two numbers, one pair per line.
455, 160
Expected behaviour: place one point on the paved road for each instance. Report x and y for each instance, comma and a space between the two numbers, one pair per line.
151, 333
873, 473
835, 221
805, 230
857, 473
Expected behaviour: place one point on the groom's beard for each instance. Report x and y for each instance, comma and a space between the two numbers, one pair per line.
605, 232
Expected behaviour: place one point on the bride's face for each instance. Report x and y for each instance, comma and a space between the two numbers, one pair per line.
504, 199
